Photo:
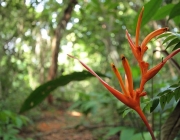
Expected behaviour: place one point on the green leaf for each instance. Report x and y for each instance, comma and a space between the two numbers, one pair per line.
174, 86
126, 112
169, 38
154, 104
18, 122
148, 12
127, 134
169, 96
163, 100
137, 136
114, 130
4, 118
164, 92
177, 94
177, 20
175, 11
163, 12
176, 47
164, 35
41, 92
173, 42
177, 35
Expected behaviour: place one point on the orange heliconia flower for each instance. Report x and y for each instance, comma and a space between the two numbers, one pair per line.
130, 96
139, 50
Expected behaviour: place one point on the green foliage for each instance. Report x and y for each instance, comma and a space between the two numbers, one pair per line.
41, 92
163, 12
148, 12
154, 104
127, 133
175, 11
173, 40
126, 111
10, 124
166, 96
91, 103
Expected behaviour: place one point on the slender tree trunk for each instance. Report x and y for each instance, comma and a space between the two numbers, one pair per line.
56, 42
171, 127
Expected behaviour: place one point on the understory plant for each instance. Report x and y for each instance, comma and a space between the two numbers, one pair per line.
11, 124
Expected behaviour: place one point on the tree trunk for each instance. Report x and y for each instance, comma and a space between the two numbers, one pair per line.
56, 42
171, 127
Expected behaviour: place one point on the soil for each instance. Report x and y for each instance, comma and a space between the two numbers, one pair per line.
57, 125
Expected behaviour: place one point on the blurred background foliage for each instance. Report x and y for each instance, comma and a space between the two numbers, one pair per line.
96, 35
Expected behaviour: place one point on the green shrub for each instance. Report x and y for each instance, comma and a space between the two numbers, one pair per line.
10, 125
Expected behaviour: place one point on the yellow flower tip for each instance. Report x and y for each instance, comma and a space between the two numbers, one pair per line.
128, 74
113, 66
122, 57
127, 33
142, 11
166, 29
116, 72
138, 26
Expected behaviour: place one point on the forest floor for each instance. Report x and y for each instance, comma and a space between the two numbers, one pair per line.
57, 125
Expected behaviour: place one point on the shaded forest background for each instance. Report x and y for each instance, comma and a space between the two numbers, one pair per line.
37, 35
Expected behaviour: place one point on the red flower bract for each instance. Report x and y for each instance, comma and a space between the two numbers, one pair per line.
130, 96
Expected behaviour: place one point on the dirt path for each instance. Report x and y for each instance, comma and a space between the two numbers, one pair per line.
57, 125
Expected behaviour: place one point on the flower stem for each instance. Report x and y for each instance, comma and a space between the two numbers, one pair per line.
143, 117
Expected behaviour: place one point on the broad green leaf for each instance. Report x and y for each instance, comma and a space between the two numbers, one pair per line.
41, 92
163, 12
137, 136
164, 35
169, 38
176, 47
169, 96
18, 122
173, 42
175, 11
148, 12
154, 104
177, 35
146, 106
174, 86
126, 112
177, 20
127, 134
177, 94
163, 100
114, 130
164, 92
